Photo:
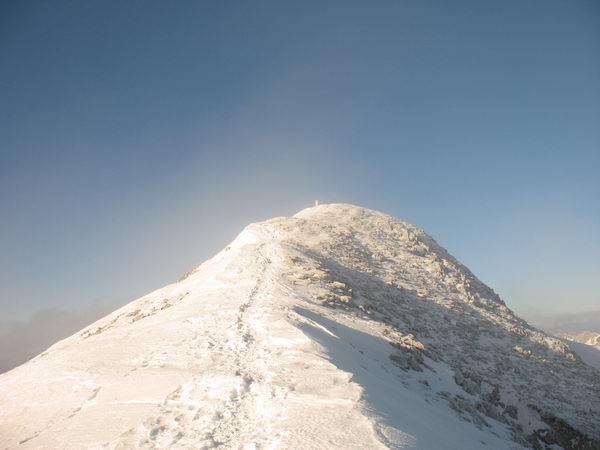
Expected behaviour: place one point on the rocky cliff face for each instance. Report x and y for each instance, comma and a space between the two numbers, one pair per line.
340, 327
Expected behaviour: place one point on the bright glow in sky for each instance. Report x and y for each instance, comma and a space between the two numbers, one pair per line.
138, 138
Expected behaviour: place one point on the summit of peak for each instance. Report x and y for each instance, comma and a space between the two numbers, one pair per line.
343, 215
379, 244
336, 209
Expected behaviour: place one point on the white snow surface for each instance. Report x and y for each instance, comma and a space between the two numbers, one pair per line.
586, 337
588, 353
586, 344
340, 327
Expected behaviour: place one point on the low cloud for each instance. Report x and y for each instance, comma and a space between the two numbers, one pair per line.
566, 323
21, 341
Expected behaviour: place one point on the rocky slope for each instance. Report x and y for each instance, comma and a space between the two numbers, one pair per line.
340, 327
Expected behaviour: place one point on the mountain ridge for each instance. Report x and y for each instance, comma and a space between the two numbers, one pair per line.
338, 327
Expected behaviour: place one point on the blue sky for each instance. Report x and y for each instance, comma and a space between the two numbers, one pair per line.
138, 138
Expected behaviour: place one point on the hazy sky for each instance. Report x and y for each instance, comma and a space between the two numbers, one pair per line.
138, 138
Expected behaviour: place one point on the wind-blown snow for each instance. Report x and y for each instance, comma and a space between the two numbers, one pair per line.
339, 327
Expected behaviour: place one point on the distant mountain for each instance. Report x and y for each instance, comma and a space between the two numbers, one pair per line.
340, 327
581, 332
587, 337
572, 324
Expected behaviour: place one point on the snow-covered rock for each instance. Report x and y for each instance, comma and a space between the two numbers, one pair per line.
340, 327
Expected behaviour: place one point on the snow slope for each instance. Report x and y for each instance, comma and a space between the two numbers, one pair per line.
590, 354
586, 344
340, 327
586, 337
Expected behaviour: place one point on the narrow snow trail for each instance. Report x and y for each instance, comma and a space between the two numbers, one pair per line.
239, 424
211, 409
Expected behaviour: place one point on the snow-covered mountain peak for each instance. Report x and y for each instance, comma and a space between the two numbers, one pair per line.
339, 327
385, 244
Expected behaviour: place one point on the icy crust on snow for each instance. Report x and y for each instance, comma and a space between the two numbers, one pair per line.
338, 328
